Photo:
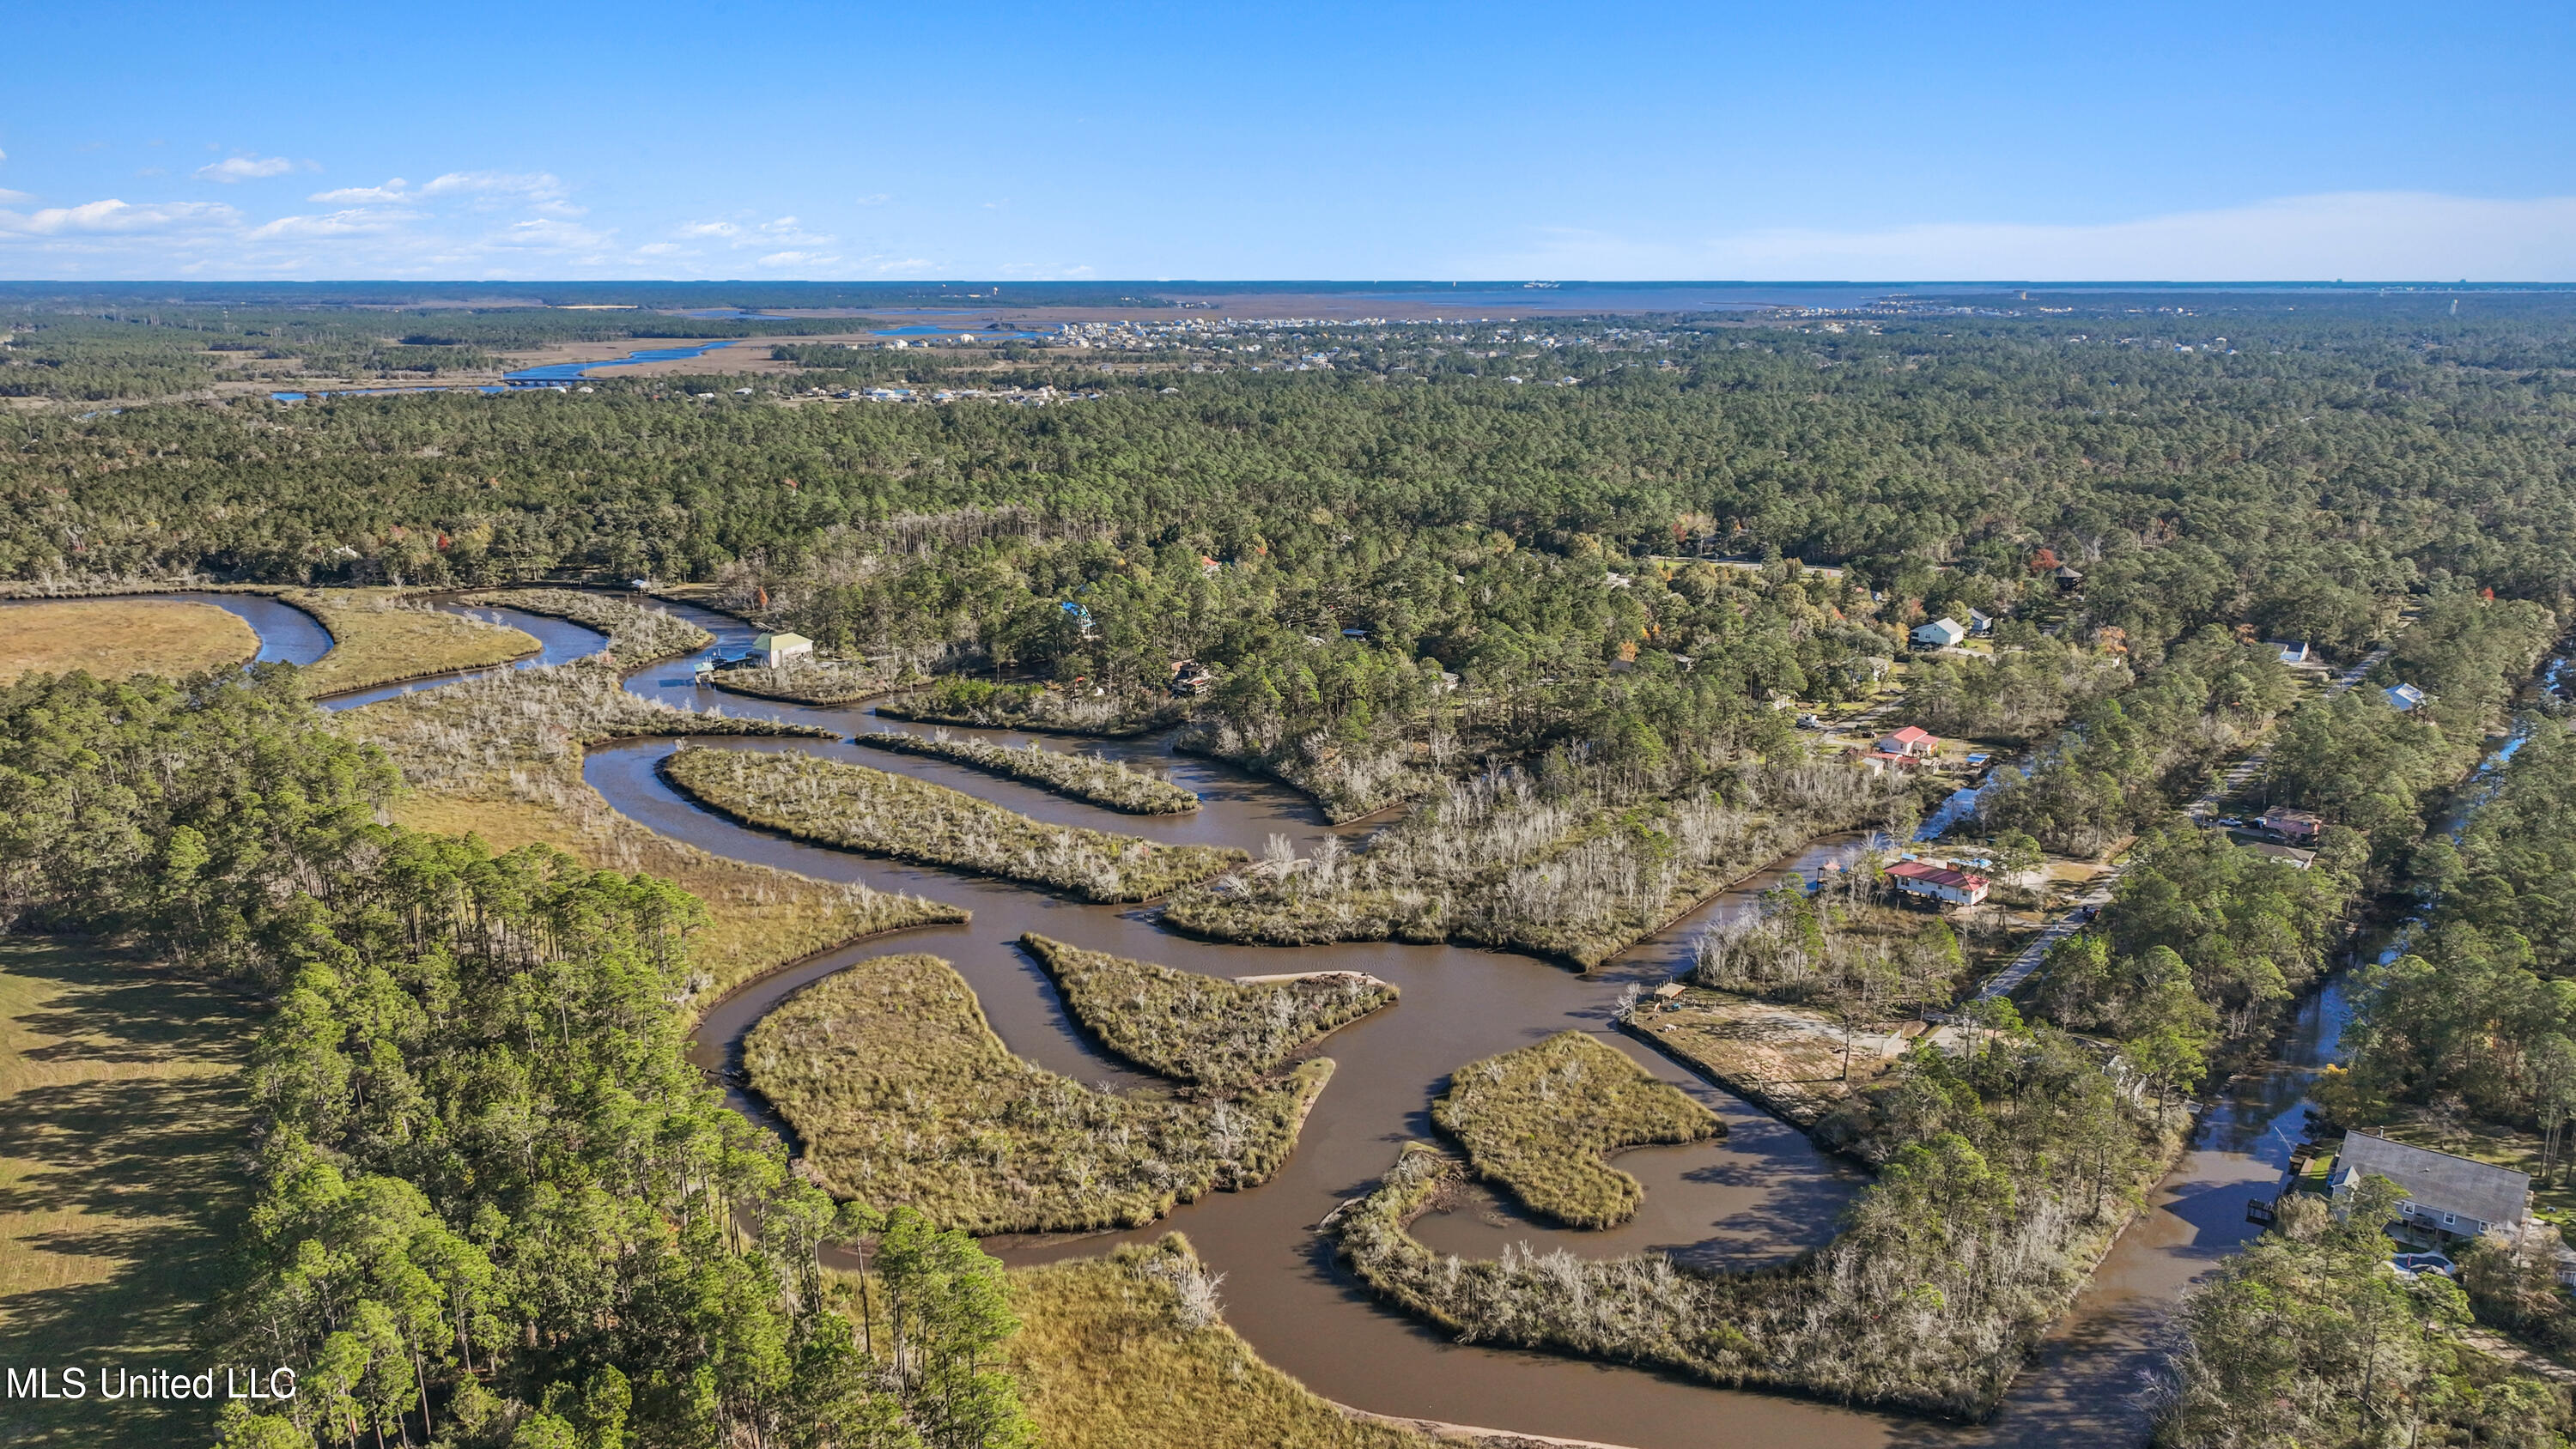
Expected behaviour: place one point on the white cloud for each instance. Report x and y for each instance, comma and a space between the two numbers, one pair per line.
1044, 272
244, 168
545, 234
541, 191
873, 199
785, 233
527, 185
457, 224
390, 192
785, 229
354, 222
2367, 235
114, 218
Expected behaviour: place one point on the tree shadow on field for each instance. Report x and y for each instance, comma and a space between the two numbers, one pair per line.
122, 1182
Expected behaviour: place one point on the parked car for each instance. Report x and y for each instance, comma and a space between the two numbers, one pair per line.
1810, 722
2409, 1265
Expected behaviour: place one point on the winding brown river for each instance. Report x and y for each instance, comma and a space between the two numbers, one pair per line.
1762, 1193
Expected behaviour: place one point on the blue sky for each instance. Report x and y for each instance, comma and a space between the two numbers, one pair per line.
1868, 141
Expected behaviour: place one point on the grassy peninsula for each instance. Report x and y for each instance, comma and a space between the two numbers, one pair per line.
1542, 1121
2014, 1170
380, 636
1112, 783
822, 681
1202, 1029
637, 633
901, 1094
1131, 1349
959, 700
1574, 866
872, 811
113, 638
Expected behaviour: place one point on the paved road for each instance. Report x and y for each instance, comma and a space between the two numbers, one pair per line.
2241, 774
2236, 777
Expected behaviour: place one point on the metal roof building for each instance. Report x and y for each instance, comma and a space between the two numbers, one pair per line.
2457, 1196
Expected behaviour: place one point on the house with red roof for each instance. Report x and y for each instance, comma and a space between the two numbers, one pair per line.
1944, 884
1910, 743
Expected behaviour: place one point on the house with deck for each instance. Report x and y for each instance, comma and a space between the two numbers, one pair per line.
1939, 634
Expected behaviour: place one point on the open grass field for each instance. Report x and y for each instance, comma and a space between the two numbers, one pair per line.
900, 1093
1203, 1029
1112, 783
121, 1122
1790, 1059
901, 818
1128, 1352
1541, 1122
378, 639
112, 638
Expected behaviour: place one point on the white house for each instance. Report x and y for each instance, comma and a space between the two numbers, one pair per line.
1911, 743
774, 651
2293, 651
2447, 1196
1939, 634
2405, 697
